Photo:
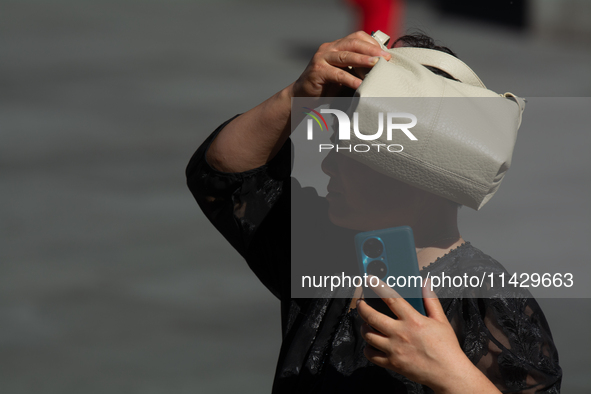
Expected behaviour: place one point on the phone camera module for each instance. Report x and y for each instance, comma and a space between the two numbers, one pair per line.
373, 248
377, 268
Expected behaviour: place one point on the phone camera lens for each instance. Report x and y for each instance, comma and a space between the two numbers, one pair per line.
373, 248
377, 268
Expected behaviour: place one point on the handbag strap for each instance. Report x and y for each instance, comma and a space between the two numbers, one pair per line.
443, 61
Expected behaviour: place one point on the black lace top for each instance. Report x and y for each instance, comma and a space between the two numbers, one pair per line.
507, 338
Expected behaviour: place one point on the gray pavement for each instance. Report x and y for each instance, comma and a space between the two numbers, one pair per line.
111, 280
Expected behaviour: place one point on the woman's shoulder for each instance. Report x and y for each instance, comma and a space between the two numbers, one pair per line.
464, 257
468, 272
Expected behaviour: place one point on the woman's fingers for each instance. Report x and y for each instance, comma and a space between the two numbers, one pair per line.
432, 305
398, 305
353, 51
415, 346
374, 318
374, 338
358, 46
360, 42
328, 65
338, 76
346, 58
363, 36
376, 356
378, 321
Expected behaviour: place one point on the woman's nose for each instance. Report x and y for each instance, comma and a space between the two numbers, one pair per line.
329, 164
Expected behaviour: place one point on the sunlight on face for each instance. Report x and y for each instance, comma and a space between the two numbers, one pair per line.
361, 198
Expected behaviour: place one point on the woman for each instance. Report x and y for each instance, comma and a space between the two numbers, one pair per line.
240, 178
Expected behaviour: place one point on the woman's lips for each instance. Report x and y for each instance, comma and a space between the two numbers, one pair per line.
332, 193
332, 189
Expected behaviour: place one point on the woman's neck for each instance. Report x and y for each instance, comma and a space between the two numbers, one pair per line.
429, 254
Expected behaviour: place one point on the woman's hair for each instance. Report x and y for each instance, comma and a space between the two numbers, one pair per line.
420, 40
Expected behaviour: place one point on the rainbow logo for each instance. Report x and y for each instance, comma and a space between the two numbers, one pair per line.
313, 115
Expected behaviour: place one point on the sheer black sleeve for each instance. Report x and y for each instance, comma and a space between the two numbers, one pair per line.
503, 331
509, 340
238, 205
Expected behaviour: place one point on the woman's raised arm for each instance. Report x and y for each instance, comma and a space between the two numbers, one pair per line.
255, 137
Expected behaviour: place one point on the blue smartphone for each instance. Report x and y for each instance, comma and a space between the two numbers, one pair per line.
390, 255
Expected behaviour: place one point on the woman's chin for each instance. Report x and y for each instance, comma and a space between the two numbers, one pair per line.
343, 218
338, 221
337, 214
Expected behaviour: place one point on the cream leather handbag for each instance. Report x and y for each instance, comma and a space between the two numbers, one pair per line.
465, 132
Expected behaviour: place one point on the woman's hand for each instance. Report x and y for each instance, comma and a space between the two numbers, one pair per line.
254, 138
327, 69
422, 348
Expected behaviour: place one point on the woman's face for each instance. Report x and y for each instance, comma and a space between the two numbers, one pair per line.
363, 199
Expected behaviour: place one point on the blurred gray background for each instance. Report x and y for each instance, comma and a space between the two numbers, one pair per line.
111, 280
